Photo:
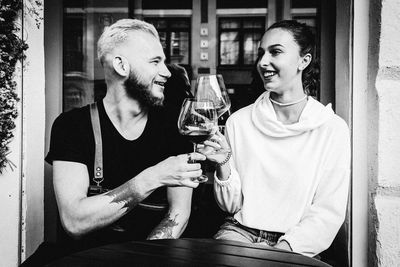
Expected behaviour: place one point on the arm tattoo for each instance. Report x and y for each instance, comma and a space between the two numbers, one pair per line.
127, 195
164, 229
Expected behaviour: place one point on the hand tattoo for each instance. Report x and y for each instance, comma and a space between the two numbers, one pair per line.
164, 229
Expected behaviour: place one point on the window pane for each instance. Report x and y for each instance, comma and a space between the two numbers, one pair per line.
229, 50
163, 39
181, 24
250, 47
179, 47
162, 4
73, 45
304, 3
310, 21
254, 24
241, 4
83, 79
158, 23
229, 24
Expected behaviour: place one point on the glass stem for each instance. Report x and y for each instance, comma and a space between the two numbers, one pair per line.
194, 150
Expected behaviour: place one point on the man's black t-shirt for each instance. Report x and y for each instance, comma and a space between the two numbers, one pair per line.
72, 139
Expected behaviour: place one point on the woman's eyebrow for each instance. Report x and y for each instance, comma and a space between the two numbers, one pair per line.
275, 46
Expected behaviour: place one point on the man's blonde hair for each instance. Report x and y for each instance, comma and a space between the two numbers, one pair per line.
117, 34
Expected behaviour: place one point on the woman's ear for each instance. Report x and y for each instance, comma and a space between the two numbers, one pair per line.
305, 61
121, 65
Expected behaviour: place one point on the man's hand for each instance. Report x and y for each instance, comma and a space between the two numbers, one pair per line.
177, 171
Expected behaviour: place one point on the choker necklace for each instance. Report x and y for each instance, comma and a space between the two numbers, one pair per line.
287, 104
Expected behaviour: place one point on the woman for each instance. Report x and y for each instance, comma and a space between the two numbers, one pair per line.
286, 177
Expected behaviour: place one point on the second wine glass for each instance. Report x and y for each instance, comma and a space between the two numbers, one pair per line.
196, 122
211, 87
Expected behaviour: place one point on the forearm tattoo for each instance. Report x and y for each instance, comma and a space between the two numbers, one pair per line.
164, 229
127, 195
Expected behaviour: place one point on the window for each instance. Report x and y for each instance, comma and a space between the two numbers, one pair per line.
84, 21
238, 40
175, 38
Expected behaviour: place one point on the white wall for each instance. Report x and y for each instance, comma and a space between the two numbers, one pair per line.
384, 119
33, 129
376, 142
10, 198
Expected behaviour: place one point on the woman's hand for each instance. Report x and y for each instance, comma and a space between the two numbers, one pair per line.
216, 149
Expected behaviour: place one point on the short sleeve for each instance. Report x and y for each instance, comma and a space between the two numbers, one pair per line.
68, 140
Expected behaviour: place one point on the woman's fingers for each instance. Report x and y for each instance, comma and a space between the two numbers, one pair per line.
212, 144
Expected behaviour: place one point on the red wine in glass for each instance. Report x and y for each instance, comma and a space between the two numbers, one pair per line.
196, 122
196, 136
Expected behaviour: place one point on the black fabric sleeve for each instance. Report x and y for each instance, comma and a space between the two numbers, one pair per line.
68, 142
178, 144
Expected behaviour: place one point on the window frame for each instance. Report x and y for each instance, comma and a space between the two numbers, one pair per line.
241, 32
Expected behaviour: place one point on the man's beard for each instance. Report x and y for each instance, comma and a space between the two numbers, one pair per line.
141, 92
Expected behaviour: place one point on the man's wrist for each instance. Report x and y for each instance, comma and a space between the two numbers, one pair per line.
148, 180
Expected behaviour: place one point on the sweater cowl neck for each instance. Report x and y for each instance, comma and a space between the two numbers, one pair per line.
313, 116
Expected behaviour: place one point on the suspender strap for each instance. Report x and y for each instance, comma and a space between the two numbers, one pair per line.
98, 156
98, 160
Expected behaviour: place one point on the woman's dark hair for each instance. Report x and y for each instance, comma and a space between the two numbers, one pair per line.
305, 39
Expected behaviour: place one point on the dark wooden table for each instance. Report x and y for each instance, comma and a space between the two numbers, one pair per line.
186, 252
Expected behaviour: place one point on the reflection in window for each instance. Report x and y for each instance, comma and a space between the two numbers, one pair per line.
84, 21
179, 47
229, 24
251, 43
253, 24
229, 51
163, 39
238, 40
175, 38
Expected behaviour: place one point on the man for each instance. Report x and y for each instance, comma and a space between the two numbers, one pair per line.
137, 147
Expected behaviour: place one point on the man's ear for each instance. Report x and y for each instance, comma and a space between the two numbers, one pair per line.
121, 66
305, 61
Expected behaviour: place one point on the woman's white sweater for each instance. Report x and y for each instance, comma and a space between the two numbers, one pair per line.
292, 178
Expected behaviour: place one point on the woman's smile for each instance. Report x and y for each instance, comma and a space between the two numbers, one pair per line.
269, 74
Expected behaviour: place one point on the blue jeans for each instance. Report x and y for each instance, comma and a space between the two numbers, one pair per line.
233, 230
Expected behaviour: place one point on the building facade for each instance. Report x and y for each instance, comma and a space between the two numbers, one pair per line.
358, 44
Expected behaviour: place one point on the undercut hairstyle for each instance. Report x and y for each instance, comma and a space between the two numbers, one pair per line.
305, 39
118, 33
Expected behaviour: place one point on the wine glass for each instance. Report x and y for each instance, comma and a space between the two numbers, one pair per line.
212, 87
196, 122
